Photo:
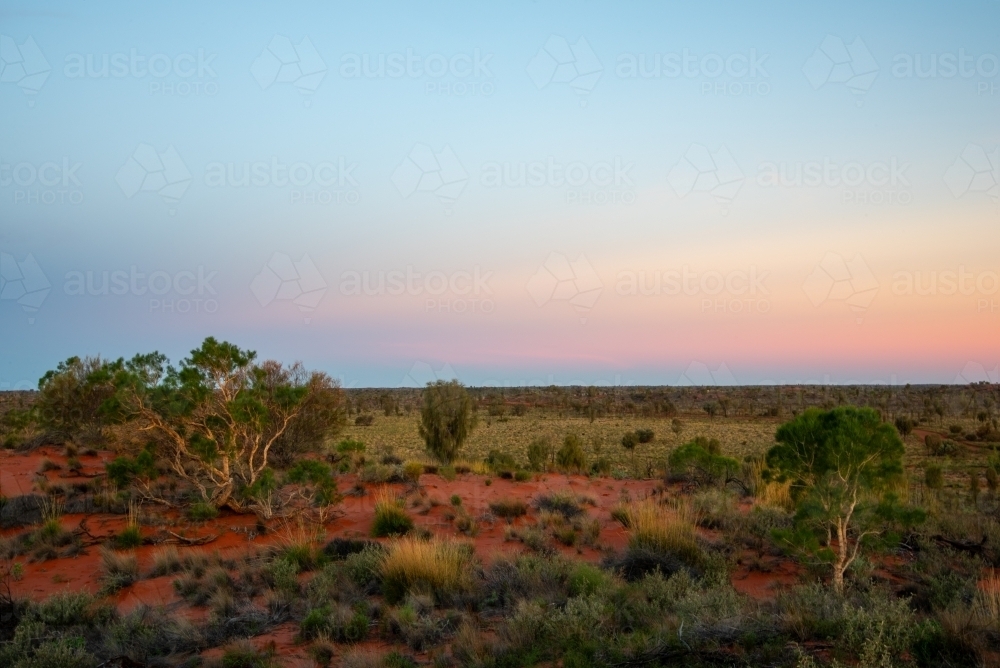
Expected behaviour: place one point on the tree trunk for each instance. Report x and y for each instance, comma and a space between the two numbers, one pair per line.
840, 565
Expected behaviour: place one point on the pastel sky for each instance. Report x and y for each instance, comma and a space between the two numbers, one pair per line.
510, 193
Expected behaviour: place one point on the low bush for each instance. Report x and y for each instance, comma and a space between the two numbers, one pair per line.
391, 518
570, 456
242, 654
202, 511
540, 454
564, 503
508, 508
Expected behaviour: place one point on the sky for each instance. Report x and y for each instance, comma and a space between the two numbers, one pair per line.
506, 193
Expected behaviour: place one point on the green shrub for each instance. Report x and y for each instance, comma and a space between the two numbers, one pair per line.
456, 500
364, 568
934, 476
700, 460
571, 456
522, 476
201, 511
123, 470
500, 461
349, 445
564, 503
130, 537
508, 508
244, 655
282, 574
539, 453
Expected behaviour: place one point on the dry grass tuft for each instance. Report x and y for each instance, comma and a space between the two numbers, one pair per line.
436, 567
390, 516
986, 606
662, 529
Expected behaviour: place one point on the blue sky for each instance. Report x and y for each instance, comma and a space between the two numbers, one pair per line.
79, 148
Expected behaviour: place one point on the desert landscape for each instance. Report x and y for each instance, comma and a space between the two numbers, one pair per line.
453, 526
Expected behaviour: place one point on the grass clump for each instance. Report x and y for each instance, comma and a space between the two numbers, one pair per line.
202, 511
436, 567
118, 570
563, 503
391, 518
509, 508
242, 654
166, 561
657, 529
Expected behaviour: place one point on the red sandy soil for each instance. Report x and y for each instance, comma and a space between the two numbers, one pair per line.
235, 534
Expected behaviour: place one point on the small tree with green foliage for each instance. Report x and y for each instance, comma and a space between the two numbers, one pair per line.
842, 464
571, 456
446, 419
215, 420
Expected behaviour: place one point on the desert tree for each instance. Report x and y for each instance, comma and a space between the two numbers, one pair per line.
843, 464
219, 417
446, 419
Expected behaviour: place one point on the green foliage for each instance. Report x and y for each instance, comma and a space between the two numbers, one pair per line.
202, 511
586, 580
261, 488
571, 456
934, 476
244, 655
336, 623
319, 476
700, 460
74, 396
508, 508
904, 426
130, 537
644, 435
364, 568
446, 419
630, 440
123, 470
499, 461
350, 445
391, 519
842, 464
540, 453
220, 415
